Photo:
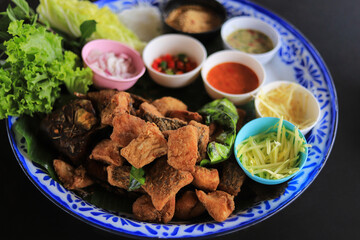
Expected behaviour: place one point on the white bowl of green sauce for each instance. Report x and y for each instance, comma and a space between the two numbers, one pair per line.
252, 36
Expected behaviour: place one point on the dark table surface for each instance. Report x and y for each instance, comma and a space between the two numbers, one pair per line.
328, 209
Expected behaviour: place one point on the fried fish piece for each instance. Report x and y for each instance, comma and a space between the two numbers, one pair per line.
149, 111
72, 129
184, 115
119, 176
144, 149
71, 178
108, 152
144, 210
232, 177
206, 179
166, 124
120, 103
100, 99
126, 128
188, 206
219, 204
183, 148
163, 182
204, 136
165, 104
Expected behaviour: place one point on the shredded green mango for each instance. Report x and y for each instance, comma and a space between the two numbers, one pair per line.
273, 154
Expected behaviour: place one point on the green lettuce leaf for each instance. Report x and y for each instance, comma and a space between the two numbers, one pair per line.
68, 15
35, 69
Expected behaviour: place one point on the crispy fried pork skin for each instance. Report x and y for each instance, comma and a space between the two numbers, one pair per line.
232, 177
183, 148
72, 129
165, 104
119, 176
71, 178
108, 152
184, 115
144, 149
204, 136
144, 210
126, 128
188, 206
219, 204
163, 182
206, 179
120, 103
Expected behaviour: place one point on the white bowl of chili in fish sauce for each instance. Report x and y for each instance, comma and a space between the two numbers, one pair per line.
252, 36
232, 74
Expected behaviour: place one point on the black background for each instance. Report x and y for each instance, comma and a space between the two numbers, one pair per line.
328, 209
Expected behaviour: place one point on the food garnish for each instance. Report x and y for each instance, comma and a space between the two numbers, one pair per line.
68, 15
285, 101
250, 41
273, 154
137, 178
174, 64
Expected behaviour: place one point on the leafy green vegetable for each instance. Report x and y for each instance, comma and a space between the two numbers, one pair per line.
223, 105
223, 113
68, 15
35, 69
37, 150
137, 178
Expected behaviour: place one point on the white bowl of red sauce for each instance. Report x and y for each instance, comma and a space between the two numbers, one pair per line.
234, 75
252, 36
174, 60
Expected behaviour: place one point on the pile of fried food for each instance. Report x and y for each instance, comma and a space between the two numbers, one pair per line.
124, 131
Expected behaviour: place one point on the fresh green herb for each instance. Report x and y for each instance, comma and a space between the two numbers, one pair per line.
137, 178
87, 28
223, 113
35, 69
182, 57
163, 65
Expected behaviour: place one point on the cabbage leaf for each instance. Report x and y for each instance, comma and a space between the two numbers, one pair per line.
68, 15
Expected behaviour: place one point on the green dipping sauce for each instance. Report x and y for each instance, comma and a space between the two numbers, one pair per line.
250, 41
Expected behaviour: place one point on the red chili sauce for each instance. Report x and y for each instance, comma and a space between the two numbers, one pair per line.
233, 78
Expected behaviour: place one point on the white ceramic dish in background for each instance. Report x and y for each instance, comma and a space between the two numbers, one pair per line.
237, 23
232, 56
312, 105
174, 44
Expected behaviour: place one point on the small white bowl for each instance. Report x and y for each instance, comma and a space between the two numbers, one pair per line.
237, 23
312, 105
174, 44
237, 57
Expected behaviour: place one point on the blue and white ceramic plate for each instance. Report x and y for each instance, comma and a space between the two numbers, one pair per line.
297, 60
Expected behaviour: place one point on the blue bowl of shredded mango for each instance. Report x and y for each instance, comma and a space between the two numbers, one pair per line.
270, 150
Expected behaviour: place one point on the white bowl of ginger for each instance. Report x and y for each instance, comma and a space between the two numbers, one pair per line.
289, 100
